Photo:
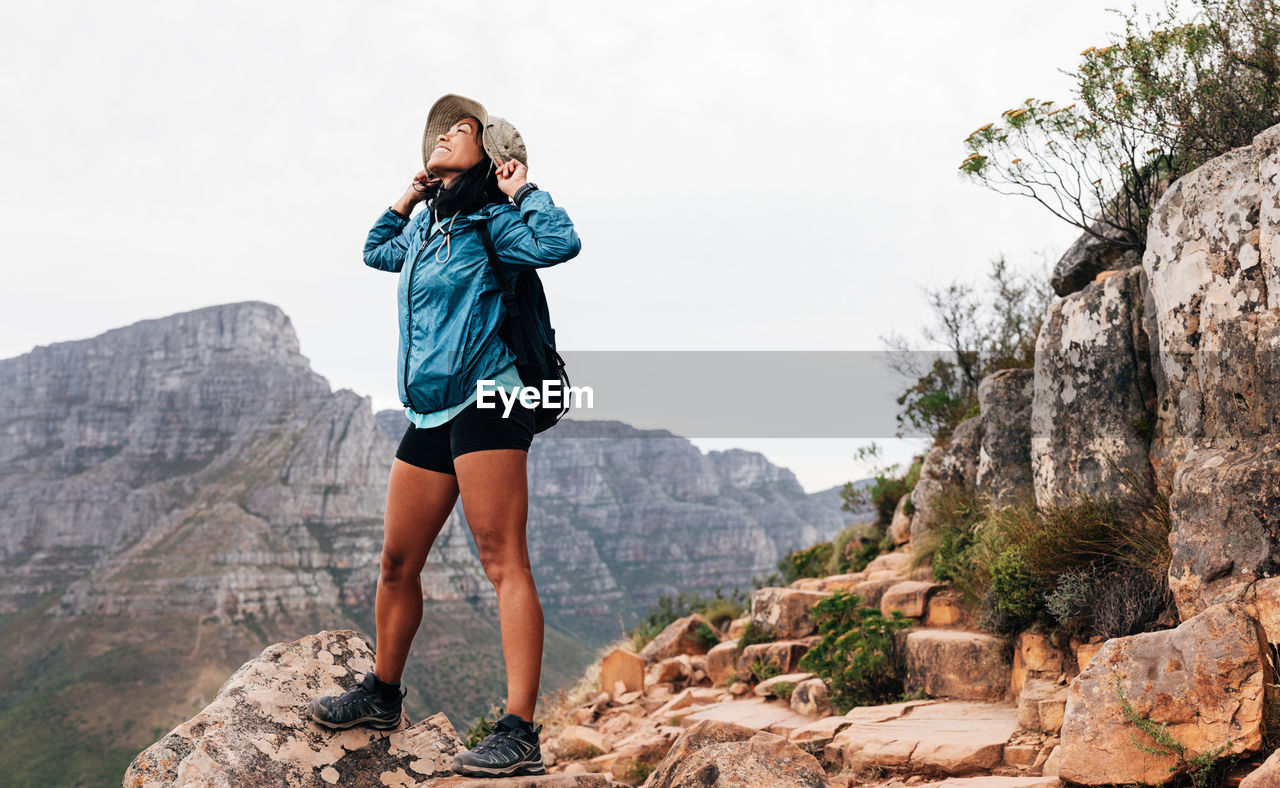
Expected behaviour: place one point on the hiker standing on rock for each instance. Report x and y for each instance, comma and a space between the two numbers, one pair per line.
450, 310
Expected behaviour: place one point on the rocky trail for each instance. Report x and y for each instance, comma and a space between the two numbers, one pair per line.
668, 712
985, 718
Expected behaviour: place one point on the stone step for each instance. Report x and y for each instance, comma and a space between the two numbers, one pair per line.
816, 735
908, 597
772, 716
988, 781
897, 562
959, 665
950, 738
561, 780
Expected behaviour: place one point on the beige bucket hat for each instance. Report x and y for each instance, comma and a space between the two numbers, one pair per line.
500, 139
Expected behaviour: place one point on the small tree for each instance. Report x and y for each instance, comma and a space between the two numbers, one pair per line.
982, 332
1155, 103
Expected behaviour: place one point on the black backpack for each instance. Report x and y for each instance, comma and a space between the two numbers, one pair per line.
528, 333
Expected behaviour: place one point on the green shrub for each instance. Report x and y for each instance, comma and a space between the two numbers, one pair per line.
634, 771
857, 655
1015, 599
484, 726
855, 547
705, 635
948, 549
1092, 566
782, 690
809, 562
764, 669
754, 633
885, 490
644, 633
718, 609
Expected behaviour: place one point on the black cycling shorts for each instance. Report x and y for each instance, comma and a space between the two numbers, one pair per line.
473, 429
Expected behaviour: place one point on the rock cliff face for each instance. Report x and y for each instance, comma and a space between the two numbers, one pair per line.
195, 463
185, 463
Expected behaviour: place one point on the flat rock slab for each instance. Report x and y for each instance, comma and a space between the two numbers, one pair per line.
998, 782
563, 780
952, 738
755, 713
814, 736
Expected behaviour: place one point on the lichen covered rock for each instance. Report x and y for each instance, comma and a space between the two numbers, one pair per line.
1092, 408
1205, 680
258, 731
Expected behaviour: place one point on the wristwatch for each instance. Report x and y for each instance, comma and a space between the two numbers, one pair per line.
523, 192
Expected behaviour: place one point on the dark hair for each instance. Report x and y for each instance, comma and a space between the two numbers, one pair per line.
470, 191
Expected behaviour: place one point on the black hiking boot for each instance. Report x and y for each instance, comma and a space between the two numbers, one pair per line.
511, 749
363, 705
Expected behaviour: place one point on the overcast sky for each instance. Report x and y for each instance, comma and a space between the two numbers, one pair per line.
743, 175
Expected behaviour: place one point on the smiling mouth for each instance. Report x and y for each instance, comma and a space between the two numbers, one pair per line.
443, 148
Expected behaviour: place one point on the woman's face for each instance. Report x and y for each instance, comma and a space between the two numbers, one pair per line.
457, 150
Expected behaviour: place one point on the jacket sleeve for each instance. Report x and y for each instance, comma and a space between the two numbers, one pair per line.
543, 237
387, 244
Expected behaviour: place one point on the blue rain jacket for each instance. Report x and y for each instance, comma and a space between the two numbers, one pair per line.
450, 312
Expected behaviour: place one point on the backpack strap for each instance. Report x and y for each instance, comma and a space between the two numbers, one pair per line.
508, 285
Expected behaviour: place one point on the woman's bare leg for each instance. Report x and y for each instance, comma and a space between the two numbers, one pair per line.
495, 499
418, 503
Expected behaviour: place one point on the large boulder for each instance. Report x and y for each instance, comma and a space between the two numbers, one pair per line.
1004, 461
900, 526
953, 464
1210, 257
1225, 534
257, 730
1089, 256
722, 662
1265, 776
1239, 379
960, 461
713, 754
1204, 680
683, 636
784, 655
785, 611
1092, 408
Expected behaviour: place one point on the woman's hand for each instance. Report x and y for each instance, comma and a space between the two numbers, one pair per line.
511, 176
423, 187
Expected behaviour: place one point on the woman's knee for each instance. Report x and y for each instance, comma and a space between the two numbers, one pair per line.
501, 567
396, 568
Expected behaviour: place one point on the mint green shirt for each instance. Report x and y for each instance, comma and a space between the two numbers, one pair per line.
507, 379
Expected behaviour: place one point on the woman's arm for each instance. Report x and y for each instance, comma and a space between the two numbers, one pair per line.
387, 243
543, 236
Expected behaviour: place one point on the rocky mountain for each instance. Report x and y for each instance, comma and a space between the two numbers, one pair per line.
179, 492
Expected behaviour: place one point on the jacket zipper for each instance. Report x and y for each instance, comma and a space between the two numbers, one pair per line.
408, 341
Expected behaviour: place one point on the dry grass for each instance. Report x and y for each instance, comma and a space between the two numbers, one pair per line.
558, 706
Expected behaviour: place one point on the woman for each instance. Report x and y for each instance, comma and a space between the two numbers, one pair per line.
450, 310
